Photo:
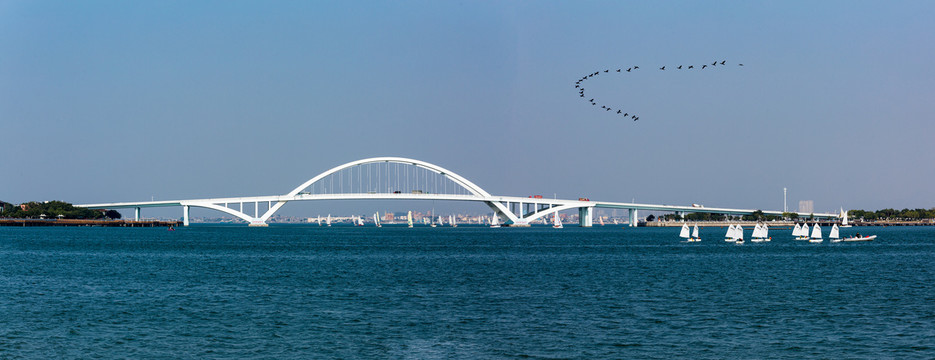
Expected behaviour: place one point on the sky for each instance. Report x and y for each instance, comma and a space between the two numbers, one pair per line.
107, 101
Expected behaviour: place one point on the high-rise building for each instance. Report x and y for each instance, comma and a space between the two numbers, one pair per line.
806, 206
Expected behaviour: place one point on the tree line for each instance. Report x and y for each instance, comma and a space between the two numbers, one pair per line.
892, 214
53, 210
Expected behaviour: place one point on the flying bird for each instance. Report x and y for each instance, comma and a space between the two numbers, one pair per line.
618, 111
714, 63
618, 70
636, 67
606, 70
628, 69
703, 66
691, 66
722, 62
662, 68
625, 114
680, 67
739, 64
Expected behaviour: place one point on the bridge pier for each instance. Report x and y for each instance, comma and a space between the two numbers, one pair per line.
185, 215
632, 218
584, 217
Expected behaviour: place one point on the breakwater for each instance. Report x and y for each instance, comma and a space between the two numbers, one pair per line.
83, 222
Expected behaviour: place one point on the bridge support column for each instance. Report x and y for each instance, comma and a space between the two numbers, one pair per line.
632, 218
136, 214
584, 217
185, 215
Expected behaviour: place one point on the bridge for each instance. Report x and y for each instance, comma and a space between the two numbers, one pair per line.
397, 178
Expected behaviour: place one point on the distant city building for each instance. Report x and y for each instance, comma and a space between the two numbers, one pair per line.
806, 206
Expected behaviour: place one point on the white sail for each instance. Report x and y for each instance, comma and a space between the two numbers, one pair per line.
757, 231
730, 232
738, 232
328, 220
600, 219
495, 221
376, 219
409, 218
556, 222
834, 234
319, 220
765, 231
360, 221
695, 232
453, 221
816, 232
797, 230
684, 233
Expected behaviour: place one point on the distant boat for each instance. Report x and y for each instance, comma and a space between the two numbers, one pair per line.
731, 234
760, 233
360, 221
695, 236
376, 219
860, 238
495, 221
409, 218
844, 223
451, 220
738, 234
328, 221
833, 235
800, 232
319, 220
556, 222
816, 234
685, 233
615, 221
600, 219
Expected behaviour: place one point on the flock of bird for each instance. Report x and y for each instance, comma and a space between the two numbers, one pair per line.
580, 86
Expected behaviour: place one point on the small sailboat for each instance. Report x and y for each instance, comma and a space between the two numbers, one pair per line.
816, 234
834, 235
731, 234
738, 234
685, 233
556, 222
409, 218
440, 222
495, 221
376, 219
319, 220
451, 220
844, 223
360, 221
695, 236
800, 231
760, 233
615, 221
600, 219
328, 220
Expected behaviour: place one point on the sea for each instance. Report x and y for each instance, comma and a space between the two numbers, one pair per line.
470, 292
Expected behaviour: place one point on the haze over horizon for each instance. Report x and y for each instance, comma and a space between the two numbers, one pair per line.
111, 101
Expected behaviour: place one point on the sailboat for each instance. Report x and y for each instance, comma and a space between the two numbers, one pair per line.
816, 234
615, 221
360, 221
800, 232
738, 234
834, 235
760, 233
729, 236
600, 219
451, 221
495, 221
409, 218
844, 223
328, 220
319, 220
376, 219
685, 233
440, 222
556, 222
695, 236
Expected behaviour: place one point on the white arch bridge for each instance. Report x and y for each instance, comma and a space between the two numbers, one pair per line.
397, 178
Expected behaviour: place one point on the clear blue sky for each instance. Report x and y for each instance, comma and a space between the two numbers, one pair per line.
121, 101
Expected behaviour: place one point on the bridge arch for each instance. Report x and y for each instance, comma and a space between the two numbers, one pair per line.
457, 179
